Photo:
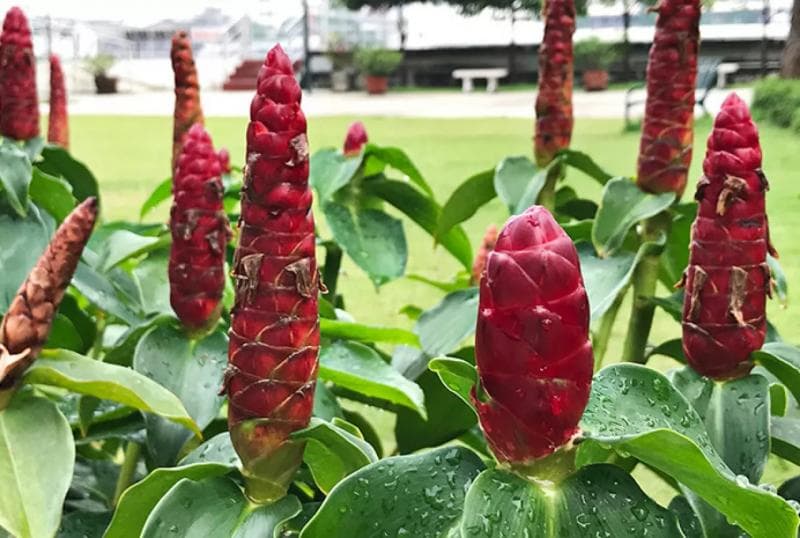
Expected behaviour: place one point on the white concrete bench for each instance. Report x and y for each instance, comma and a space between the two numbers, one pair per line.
723, 70
491, 76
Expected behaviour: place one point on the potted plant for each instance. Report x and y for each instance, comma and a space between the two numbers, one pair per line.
340, 55
99, 66
593, 58
376, 65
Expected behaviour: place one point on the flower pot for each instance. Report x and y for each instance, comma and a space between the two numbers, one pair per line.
105, 84
376, 85
595, 80
340, 81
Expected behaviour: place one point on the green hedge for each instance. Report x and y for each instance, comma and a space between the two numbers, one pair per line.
778, 101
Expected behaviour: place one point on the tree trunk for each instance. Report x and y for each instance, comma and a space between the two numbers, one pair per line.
791, 52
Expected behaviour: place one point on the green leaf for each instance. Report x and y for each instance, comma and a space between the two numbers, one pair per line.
57, 161
81, 374
598, 500
22, 241
373, 239
790, 489
623, 205
457, 375
83, 524
442, 328
192, 370
33, 147
153, 275
122, 350
332, 453
36, 461
160, 194
583, 162
778, 399
397, 159
123, 245
215, 457
64, 335
783, 361
216, 506
468, 197
15, 176
359, 368
675, 257
330, 328
395, 492
326, 406
671, 348
786, 438
687, 519
779, 276
668, 435
423, 210
513, 178
99, 290
52, 194
329, 171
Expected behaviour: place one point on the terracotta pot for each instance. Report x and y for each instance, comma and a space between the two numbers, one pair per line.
595, 80
105, 84
376, 85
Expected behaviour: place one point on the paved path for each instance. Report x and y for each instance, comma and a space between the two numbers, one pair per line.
608, 104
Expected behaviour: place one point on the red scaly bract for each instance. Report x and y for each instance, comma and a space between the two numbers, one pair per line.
554, 101
274, 337
532, 343
487, 245
728, 280
19, 104
665, 152
355, 140
57, 127
199, 233
187, 92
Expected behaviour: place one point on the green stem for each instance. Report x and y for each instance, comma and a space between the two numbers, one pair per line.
97, 348
330, 271
547, 196
127, 470
645, 281
603, 334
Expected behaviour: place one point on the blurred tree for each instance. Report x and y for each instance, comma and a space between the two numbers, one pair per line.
791, 51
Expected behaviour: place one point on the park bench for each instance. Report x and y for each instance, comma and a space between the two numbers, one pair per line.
706, 77
492, 75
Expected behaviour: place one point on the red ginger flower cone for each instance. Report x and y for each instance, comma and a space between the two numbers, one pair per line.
728, 280
27, 323
532, 343
665, 152
487, 245
187, 92
200, 234
355, 140
19, 104
58, 127
274, 337
554, 101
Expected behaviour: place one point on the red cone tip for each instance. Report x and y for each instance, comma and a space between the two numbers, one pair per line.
356, 138
278, 59
16, 30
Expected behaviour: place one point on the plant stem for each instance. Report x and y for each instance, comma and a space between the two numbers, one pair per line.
645, 280
330, 271
547, 196
601, 337
127, 470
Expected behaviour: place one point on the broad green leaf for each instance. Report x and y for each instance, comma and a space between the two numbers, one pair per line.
790, 489
636, 411
687, 519
192, 370
395, 493
783, 361
57, 161
83, 524
373, 239
442, 328
675, 257
623, 205
33, 147
52, 194
22, 241
329, 171
330, 328
468, 197
123, 245
326, 406
100, 291
778, 399
215, 457
513, 177
36, 461
122, 350
161, 193
359, 368
671, 348
448, 417
598, 500
779, 277
15, 176
153, 275
64, 335
81, 374
583, 162
786, 438
216, 506
332, 453
397, 159
423, 210
457, 375
579, 230
672, 304
459, 282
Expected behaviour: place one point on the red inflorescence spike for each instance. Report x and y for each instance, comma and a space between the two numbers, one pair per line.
274, 337
532, 343
665, 152
487, 245
58, 126
187, 92
355, 140
19, 104
728, 279
200, 233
